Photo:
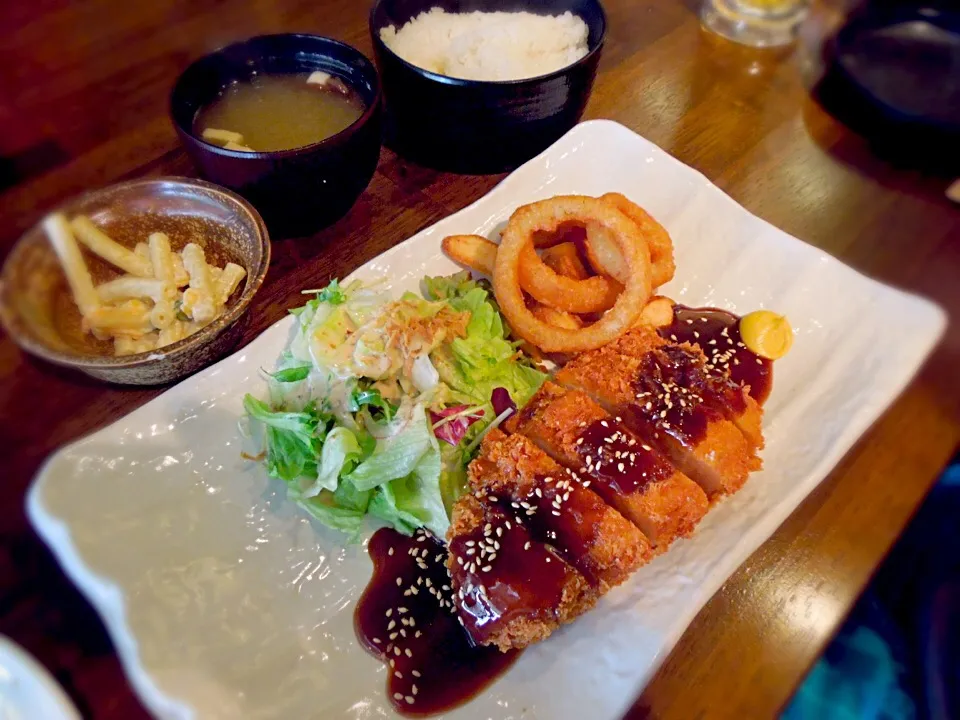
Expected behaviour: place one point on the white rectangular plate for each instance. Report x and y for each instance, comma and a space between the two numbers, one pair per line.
225, 601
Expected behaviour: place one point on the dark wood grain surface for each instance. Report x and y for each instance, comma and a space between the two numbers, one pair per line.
83, 103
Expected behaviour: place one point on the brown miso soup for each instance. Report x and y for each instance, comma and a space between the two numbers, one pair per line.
279, 112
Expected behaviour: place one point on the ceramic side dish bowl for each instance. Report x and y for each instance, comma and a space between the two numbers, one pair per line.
480, 126
301, 190
37, 308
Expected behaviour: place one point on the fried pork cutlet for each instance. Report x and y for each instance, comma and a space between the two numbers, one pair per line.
693, 371
713, 386
556, 507
626, 472
510, 589
657, 389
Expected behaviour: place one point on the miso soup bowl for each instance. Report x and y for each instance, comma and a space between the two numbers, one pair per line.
481, 126
304, 189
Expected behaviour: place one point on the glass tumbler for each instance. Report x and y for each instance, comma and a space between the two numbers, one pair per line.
760, 23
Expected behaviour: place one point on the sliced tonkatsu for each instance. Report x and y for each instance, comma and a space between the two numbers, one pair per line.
624, 470
689, 369
510, 590
556, 507
658, 390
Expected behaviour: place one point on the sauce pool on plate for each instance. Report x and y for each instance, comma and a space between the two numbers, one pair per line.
406, 618
279, 112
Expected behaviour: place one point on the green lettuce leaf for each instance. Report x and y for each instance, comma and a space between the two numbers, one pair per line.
332, 293
485, 359
445, 287
372, 398
399, 454
291, 374
453, 473
342, 510
340, 452
293, 439
415, 500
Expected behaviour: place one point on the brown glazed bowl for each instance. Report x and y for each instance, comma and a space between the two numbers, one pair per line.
37, 308
297, 191
476, 126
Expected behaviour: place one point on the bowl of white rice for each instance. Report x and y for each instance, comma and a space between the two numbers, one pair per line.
484, 85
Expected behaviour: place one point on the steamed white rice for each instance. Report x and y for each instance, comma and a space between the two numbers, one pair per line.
489, 46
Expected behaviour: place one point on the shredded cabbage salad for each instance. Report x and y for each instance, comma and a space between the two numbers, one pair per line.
378, 404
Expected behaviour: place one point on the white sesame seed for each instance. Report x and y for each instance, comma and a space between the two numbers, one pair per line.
526, 545
390, 551
409, 699
415, 673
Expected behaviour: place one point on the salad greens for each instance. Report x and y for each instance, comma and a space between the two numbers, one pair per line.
378, 405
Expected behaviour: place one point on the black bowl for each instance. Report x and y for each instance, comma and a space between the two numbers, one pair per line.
480, 126
301, 190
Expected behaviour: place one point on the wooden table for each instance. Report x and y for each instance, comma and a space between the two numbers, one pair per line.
84, 103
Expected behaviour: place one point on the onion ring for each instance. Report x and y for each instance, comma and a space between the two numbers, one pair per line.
603, 252
595, 294
548, 215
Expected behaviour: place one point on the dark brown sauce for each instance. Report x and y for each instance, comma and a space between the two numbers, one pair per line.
619, 461
568, 517
717, 333
669, 395
443, 663
505, 575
